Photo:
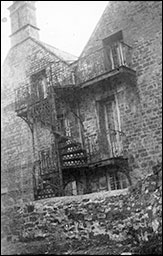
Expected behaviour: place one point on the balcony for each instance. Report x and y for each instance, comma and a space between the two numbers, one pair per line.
93, 149
26, 96
103, 63
73, 157
41, 87
22, 98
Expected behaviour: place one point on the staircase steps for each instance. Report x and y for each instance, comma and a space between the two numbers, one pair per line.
72, 154
73, 158
74, 164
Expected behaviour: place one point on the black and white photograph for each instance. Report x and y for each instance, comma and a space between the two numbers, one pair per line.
81, 127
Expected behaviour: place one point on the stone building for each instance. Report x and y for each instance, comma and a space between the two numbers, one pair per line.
81, 125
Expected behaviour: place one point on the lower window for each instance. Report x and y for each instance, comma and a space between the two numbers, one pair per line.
117, 181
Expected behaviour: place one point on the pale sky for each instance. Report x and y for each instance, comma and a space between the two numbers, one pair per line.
67, 25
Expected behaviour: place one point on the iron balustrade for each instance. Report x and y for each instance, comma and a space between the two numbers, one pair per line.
26, 96
22, 97
92, 146
46, 176
103, 60
116, 142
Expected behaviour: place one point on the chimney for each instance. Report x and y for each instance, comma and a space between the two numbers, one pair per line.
23, 21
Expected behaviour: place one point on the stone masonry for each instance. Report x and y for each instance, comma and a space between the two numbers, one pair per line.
140, 103
120, 216
141, 26
126, 218
17, 148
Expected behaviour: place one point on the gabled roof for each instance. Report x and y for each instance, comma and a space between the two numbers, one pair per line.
63, 56
93, 41
67, 57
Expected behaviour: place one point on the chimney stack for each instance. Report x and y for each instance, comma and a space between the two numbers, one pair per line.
23, 21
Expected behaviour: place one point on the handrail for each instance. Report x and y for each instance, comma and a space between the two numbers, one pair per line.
99, 49
92, 145
90, 66
102, 49
103, 60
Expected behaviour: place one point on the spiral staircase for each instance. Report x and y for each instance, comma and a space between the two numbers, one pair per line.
72, 155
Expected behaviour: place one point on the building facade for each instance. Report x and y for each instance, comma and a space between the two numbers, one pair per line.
81, 125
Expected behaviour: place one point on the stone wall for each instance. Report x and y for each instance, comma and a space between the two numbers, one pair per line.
124, 217
22, 61
140, 22
141, 26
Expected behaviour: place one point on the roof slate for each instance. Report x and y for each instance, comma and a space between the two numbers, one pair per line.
69, 58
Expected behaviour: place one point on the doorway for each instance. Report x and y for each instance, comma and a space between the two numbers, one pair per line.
113, 126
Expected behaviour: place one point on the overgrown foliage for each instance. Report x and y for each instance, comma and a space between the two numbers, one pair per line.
151, 247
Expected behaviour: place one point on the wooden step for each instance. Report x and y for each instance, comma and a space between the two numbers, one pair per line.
74, 164
75, 155
74, 159
74, 152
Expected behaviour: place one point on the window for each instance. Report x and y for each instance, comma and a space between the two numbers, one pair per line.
107, 180
116, 181
63, 125
39, 85
102, 183
114, 50
71, 189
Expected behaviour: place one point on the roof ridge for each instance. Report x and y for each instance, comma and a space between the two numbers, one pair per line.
42, 45
59, 49
58, 54
68, 60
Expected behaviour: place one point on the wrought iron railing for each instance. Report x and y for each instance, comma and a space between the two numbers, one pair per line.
115, 142
22, 97
46, 175
103, 60
91, 144
97, 63
72, 155
27, 95
93, 147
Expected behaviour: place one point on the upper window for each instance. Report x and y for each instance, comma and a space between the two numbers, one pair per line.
115, 51
39, 85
